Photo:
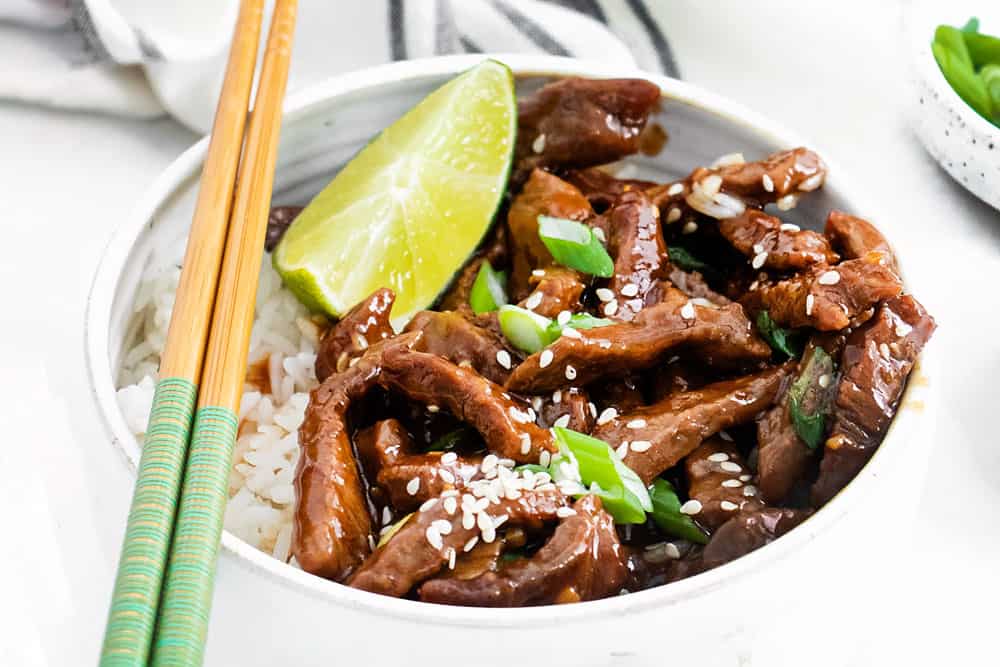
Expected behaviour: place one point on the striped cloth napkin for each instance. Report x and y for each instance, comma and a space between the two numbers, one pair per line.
147, 59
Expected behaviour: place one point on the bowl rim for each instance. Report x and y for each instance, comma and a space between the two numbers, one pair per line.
912, 411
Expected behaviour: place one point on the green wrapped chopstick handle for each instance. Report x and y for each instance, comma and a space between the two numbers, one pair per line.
132, 616
187, 590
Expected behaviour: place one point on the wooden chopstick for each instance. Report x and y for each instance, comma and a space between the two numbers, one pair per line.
187, 591
129, 631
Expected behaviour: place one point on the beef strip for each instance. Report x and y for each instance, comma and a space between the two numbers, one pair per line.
506, 425
555, 289
714, 472
577, 123
826, 298
722, 335
674, 377
453, 336
623, 394
279, 219
409, 558
435, 474
570, 402
583, 560
876, 361
746, 532
693, 284
640, 256
362, 326
856, 237
543, 194
331, 524
676, 425
601, 188
772, 245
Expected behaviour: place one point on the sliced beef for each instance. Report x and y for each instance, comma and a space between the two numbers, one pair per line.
664, 433
693, 284
721, 335
543, 194
601, 188
783, 174
279, 219
674, 377
623, 394
571, 404
331, 524
435, 472
363, 326
507, 426
876, 362
555, 289
578, 123
583, 560
457, 338
748, 532
718, 478
420, 548
826, 298
639, 253
771, 244
856, 237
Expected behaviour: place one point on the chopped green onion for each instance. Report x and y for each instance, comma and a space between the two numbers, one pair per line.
782, 340
533, 467
489, 290
668, 516
452, 439
623, 494
983, 49
807, 393
952, 39
393, 529
683, 258
511, 556
578, 321
972, 25
575, 245
990, 74
526, 330
956, 65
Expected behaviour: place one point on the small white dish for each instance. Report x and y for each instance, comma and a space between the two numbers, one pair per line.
965, 144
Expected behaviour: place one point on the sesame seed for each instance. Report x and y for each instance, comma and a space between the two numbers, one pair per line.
640, 445
570, 332
562, 422
687, 311
604, 344
604, 294
728, 506
746, 478
758, 260
789, 227
386, 515
428, 504
487, 530
884, 351
630, 289
610, 308
500, 520
690, 227
433, 408
503, 358
545, 358
468, 519
446, 476
636, 423
824, 381
672, 551
564, 512
507, 463
606, 415
718, 457
812, 182
570, 372
902, 328
361, 342
442, 526
533, 301
470, 544
732, 483
725, 436
450, 505
673, 215
433, 537
536, 402
729, 466
810, 300
749, 490
545, 458
451, 558
489, 462
828, 278
371, 543
787, 203
525, 443
691, 507
711, 184
767, 182
563, 317
449, 457
413, 486
538, 273
675, 189
622, 450
592, 408
538, 145
599, 233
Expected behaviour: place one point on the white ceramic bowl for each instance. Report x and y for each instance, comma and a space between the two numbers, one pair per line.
774, 599
965, 144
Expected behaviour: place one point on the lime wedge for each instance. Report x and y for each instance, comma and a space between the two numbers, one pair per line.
411, 207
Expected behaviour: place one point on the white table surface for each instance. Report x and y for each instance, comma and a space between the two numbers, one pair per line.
830, 71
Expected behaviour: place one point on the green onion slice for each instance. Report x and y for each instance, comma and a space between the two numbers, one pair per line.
622, 492
526, 330
683, 258
578, 321
575, 245
489, 290
452, 439
808, 401
782, 340
667, 514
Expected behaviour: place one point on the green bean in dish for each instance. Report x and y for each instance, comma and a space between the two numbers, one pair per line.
623, 384
970, 62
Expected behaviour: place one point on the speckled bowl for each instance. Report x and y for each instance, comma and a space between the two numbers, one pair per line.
791, 602
964, 143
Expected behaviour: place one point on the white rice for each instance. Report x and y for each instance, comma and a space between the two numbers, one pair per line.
261, 495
